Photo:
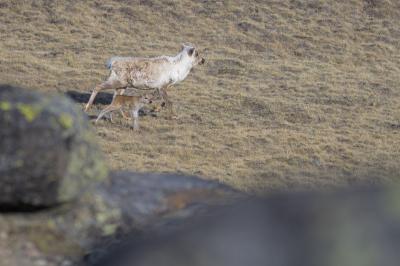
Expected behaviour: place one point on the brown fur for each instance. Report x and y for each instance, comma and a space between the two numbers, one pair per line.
133, 103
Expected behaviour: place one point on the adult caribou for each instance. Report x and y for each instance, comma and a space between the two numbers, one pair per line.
156, 73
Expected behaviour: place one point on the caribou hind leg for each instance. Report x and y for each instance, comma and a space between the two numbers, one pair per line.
107, 85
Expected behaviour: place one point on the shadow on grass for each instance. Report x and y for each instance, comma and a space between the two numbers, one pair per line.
103, 98
83, 97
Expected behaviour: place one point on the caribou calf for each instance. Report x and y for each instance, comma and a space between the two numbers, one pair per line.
134, 103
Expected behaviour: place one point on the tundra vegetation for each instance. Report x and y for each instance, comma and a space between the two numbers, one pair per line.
293, 93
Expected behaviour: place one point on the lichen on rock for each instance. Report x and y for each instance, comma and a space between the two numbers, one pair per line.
30, 112
47, 151
5, 106
65, 120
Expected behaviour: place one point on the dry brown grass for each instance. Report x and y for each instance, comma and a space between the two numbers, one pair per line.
294, 93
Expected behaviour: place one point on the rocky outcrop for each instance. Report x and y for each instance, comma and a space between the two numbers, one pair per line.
126, 204
352, 228
47, 152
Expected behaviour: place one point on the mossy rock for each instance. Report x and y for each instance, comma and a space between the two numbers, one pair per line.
47, 152
129, 202
126, 204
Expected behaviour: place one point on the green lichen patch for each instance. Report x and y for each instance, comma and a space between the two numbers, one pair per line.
85, 166
107, 218
30, 112
65, 120
5, 106
109, 229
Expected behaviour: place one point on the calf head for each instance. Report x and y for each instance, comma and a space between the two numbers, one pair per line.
146, 99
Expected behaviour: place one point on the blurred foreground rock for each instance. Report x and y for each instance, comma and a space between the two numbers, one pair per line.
58, 204
126, 204
351, 228
47, 152
131, 202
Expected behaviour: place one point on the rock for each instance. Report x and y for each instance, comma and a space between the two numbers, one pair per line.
138, 202
47, 152
126, 204
144, 198
61, 203
350, 228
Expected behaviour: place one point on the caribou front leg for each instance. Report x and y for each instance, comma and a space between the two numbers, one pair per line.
135, 118
167, 101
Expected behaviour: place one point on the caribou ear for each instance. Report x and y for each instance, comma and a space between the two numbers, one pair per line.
183, 46
190, 51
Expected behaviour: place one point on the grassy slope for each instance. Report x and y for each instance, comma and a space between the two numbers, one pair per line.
294, 93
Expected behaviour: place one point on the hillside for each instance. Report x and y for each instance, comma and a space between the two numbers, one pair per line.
293, 93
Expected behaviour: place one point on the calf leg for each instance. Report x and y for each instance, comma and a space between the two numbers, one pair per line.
121, 91
107, 85
109, 108
123, 114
